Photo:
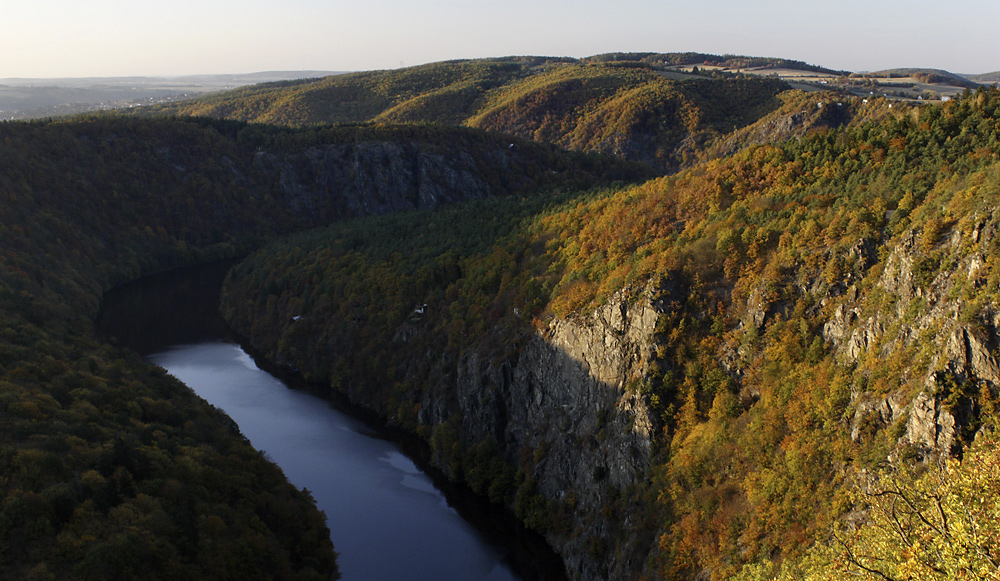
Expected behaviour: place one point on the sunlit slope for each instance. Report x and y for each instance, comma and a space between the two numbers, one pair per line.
627, 108
827, 313
365, 96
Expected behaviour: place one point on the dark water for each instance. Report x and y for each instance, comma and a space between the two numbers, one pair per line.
388, 518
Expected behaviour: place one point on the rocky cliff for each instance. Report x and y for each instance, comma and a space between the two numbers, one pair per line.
371, 177
374, 170
565, 405
559, 405
923, 305
559, 402
567, 394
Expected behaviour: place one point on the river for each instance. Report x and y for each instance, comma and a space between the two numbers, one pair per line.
388, 518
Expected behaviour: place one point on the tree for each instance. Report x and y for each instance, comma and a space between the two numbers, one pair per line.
943, 523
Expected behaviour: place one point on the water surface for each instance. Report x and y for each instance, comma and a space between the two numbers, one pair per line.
388, 519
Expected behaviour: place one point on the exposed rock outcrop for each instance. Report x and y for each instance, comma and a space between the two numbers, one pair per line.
379, 176
929, 425
967, 353
925, 310
369, 178
567, 393
784, 124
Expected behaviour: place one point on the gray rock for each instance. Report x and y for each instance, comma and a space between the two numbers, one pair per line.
929, 426
567, 393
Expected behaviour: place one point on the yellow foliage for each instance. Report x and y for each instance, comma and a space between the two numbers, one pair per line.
941, 524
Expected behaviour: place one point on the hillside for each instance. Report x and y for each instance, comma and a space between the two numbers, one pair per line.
363, 96
624, 108
666, 110
111, 469
727, 373
991, 78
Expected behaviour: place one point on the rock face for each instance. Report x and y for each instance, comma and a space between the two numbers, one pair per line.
567, 394
929, 425
373, 177
923, 277
378, 177
558, 403
968, 353
562, 393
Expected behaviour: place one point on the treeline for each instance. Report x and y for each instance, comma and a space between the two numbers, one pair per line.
598, 104
108, 468
763, 441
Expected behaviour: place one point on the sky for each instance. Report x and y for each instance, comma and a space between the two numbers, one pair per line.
87, 38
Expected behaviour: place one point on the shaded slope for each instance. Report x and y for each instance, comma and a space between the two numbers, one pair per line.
110, 468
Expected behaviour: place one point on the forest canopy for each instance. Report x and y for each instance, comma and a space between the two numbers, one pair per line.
761, 430
820, 386
110, 468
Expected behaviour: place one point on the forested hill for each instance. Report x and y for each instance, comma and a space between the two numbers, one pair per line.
779, 364
626, 105
108, 468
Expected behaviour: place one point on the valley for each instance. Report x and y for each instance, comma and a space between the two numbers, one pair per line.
686, 324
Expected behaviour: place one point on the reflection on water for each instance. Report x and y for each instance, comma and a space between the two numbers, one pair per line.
387, 519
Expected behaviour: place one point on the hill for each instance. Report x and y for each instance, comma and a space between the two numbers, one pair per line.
927, 76
989, 78
625, 108
111, 469
709, 375
666, 110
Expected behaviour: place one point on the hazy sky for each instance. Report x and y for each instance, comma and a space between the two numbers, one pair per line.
75, 38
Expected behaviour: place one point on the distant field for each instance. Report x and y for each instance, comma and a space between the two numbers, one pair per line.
901, 87
789, 75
